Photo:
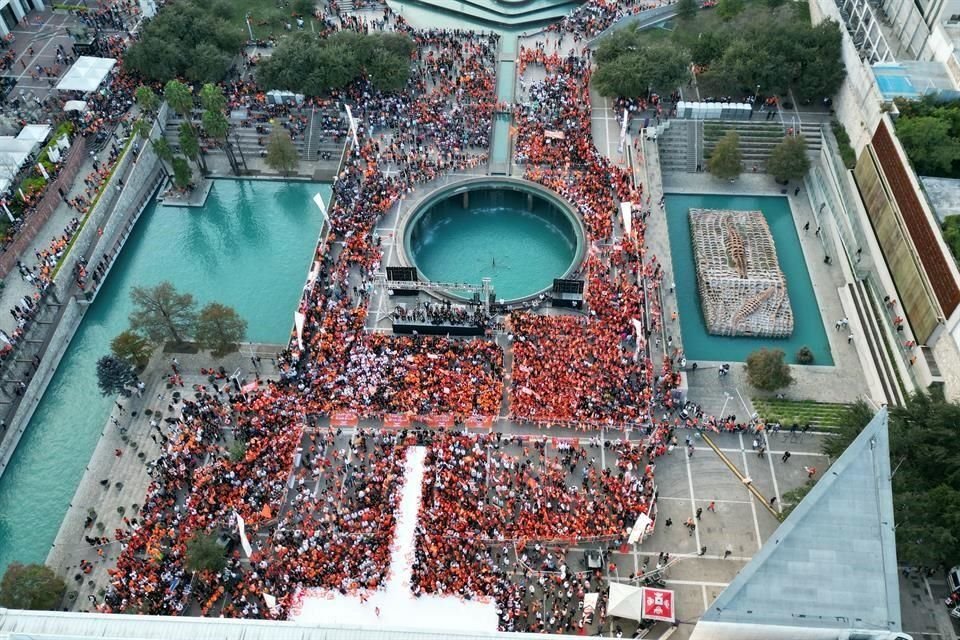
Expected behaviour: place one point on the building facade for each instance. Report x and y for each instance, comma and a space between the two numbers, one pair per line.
13, 11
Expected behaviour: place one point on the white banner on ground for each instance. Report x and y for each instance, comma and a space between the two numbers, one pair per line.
626, 212
638, 328
244, 542
639, 529
589, 607
298, 320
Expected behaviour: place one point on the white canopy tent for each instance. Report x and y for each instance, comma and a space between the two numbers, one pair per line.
86, 74
625, 601
15, 151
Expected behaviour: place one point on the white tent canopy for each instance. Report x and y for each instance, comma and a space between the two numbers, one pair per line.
86, 74
15, 151
625, 601
75, 105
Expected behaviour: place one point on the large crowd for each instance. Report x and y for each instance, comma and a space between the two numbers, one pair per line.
501, 517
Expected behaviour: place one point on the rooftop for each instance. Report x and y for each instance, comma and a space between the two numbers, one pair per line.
832, 564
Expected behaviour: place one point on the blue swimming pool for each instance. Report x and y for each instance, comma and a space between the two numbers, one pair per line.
808, 324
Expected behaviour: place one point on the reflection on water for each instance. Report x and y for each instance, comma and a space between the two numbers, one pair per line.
250, 247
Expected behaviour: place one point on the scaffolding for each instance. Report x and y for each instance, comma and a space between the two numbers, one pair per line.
742, 290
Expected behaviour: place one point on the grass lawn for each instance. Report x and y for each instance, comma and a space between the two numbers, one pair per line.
823, 416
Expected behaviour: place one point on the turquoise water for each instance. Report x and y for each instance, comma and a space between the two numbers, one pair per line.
249, 247
808, 326
522, 252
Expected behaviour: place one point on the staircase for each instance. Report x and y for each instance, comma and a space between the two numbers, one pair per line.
323, 136
679, 145
876, 340
757, 139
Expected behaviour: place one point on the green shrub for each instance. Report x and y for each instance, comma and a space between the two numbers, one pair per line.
804, 355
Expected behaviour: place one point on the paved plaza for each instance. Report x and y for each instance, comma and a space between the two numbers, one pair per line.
738, 525
357, 523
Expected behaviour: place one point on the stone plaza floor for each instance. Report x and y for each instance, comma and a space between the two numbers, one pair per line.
739, 523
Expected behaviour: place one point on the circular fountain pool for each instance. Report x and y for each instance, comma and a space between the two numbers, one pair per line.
518, 234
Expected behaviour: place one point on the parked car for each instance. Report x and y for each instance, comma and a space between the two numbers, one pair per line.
953, 579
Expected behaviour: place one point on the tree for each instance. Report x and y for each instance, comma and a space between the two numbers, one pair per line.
951, 235
180, 98
709, 47
212, 98
182, 173
132, 348
189, 40
220, 329
788, 160
113, 375
208, 62
282, 155
146, 99
687, 9
928, 143
162, 147
204, 553
315, 66
767, 371
215, 123
31, 586
634, 73
725, 162
746, 64
190, 145
729, 9
161, 313
819, 52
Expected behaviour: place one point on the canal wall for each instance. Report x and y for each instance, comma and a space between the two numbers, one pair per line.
125, 195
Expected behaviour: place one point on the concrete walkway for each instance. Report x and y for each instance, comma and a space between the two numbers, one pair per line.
126, 475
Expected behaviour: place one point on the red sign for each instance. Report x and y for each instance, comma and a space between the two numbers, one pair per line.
344, 419
658, 604
440, 420
396, 421
480, 423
